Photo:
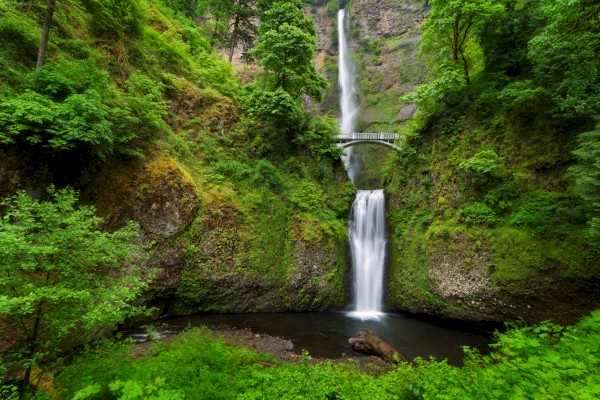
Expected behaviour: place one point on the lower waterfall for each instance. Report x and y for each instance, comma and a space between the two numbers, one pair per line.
368, 245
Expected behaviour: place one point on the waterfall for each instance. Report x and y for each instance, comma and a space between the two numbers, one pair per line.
367, 223
347, 91
368, 242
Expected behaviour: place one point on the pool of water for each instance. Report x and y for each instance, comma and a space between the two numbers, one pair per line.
326, 334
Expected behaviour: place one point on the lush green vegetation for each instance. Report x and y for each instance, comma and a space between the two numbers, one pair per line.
500, 167
500, 154
134, 108
63, 279
545, 362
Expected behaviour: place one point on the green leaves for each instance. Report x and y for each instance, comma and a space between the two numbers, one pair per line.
115, 17
72, 105
486, 162
455, 25
587, 178
62, 276
285, 48
544, 361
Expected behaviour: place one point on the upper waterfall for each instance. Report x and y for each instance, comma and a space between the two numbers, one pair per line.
347, 91
346, 79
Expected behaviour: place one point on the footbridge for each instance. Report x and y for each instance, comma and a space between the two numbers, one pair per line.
353, 139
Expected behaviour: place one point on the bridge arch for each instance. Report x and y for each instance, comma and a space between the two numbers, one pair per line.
378, 142
383, 139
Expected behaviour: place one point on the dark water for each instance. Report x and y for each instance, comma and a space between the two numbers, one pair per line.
326, 334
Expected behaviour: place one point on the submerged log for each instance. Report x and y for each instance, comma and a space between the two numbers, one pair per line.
369, 343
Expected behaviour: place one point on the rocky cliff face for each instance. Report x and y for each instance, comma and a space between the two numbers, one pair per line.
386, 40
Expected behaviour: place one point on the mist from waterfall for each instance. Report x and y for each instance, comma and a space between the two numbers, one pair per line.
346, 80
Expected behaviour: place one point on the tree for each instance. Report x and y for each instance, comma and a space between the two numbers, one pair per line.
566, 58
45, 33
455, 25
233, 22
587, 178
62, 278
243, 28
504, 39
285, 48
188, 7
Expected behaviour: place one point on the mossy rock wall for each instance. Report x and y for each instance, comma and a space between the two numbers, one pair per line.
500, 269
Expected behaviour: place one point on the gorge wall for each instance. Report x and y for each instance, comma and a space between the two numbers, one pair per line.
236, 217
441, 262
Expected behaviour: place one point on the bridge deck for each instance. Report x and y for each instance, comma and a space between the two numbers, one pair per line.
386, 137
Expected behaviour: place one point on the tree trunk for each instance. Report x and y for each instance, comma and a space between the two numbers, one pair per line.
45, 33
233, 39
32, 348
367, 342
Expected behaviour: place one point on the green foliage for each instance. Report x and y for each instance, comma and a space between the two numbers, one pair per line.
196, 366
189, 8
456, 25
548, 212
501, 195
37, 120
504, 39
435, 93
486, 163
544, 361
565, 56
72, 105
67, 106
20, 34
266, 175
307, 196
62, 277
144, 107
285, 48
478, 214
541, 361
115, 17
587, 178
277, 107
320, 137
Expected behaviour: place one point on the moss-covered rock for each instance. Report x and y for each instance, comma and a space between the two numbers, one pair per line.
154, 190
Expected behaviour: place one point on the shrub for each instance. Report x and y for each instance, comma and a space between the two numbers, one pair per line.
145, 106
233, 169
79, 120
68, 105
115, 17
548, 211
320, 137
486, 164
276, 107
587, 178
267, 175
308, 196
195, 366
62, 79
478, 214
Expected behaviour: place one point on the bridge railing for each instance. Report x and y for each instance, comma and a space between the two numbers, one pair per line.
368, 136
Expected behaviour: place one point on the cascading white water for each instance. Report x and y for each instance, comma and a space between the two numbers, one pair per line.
367, 223
347, 91
368, 242
346, 78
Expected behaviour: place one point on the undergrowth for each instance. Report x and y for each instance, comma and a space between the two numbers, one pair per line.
545, 361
